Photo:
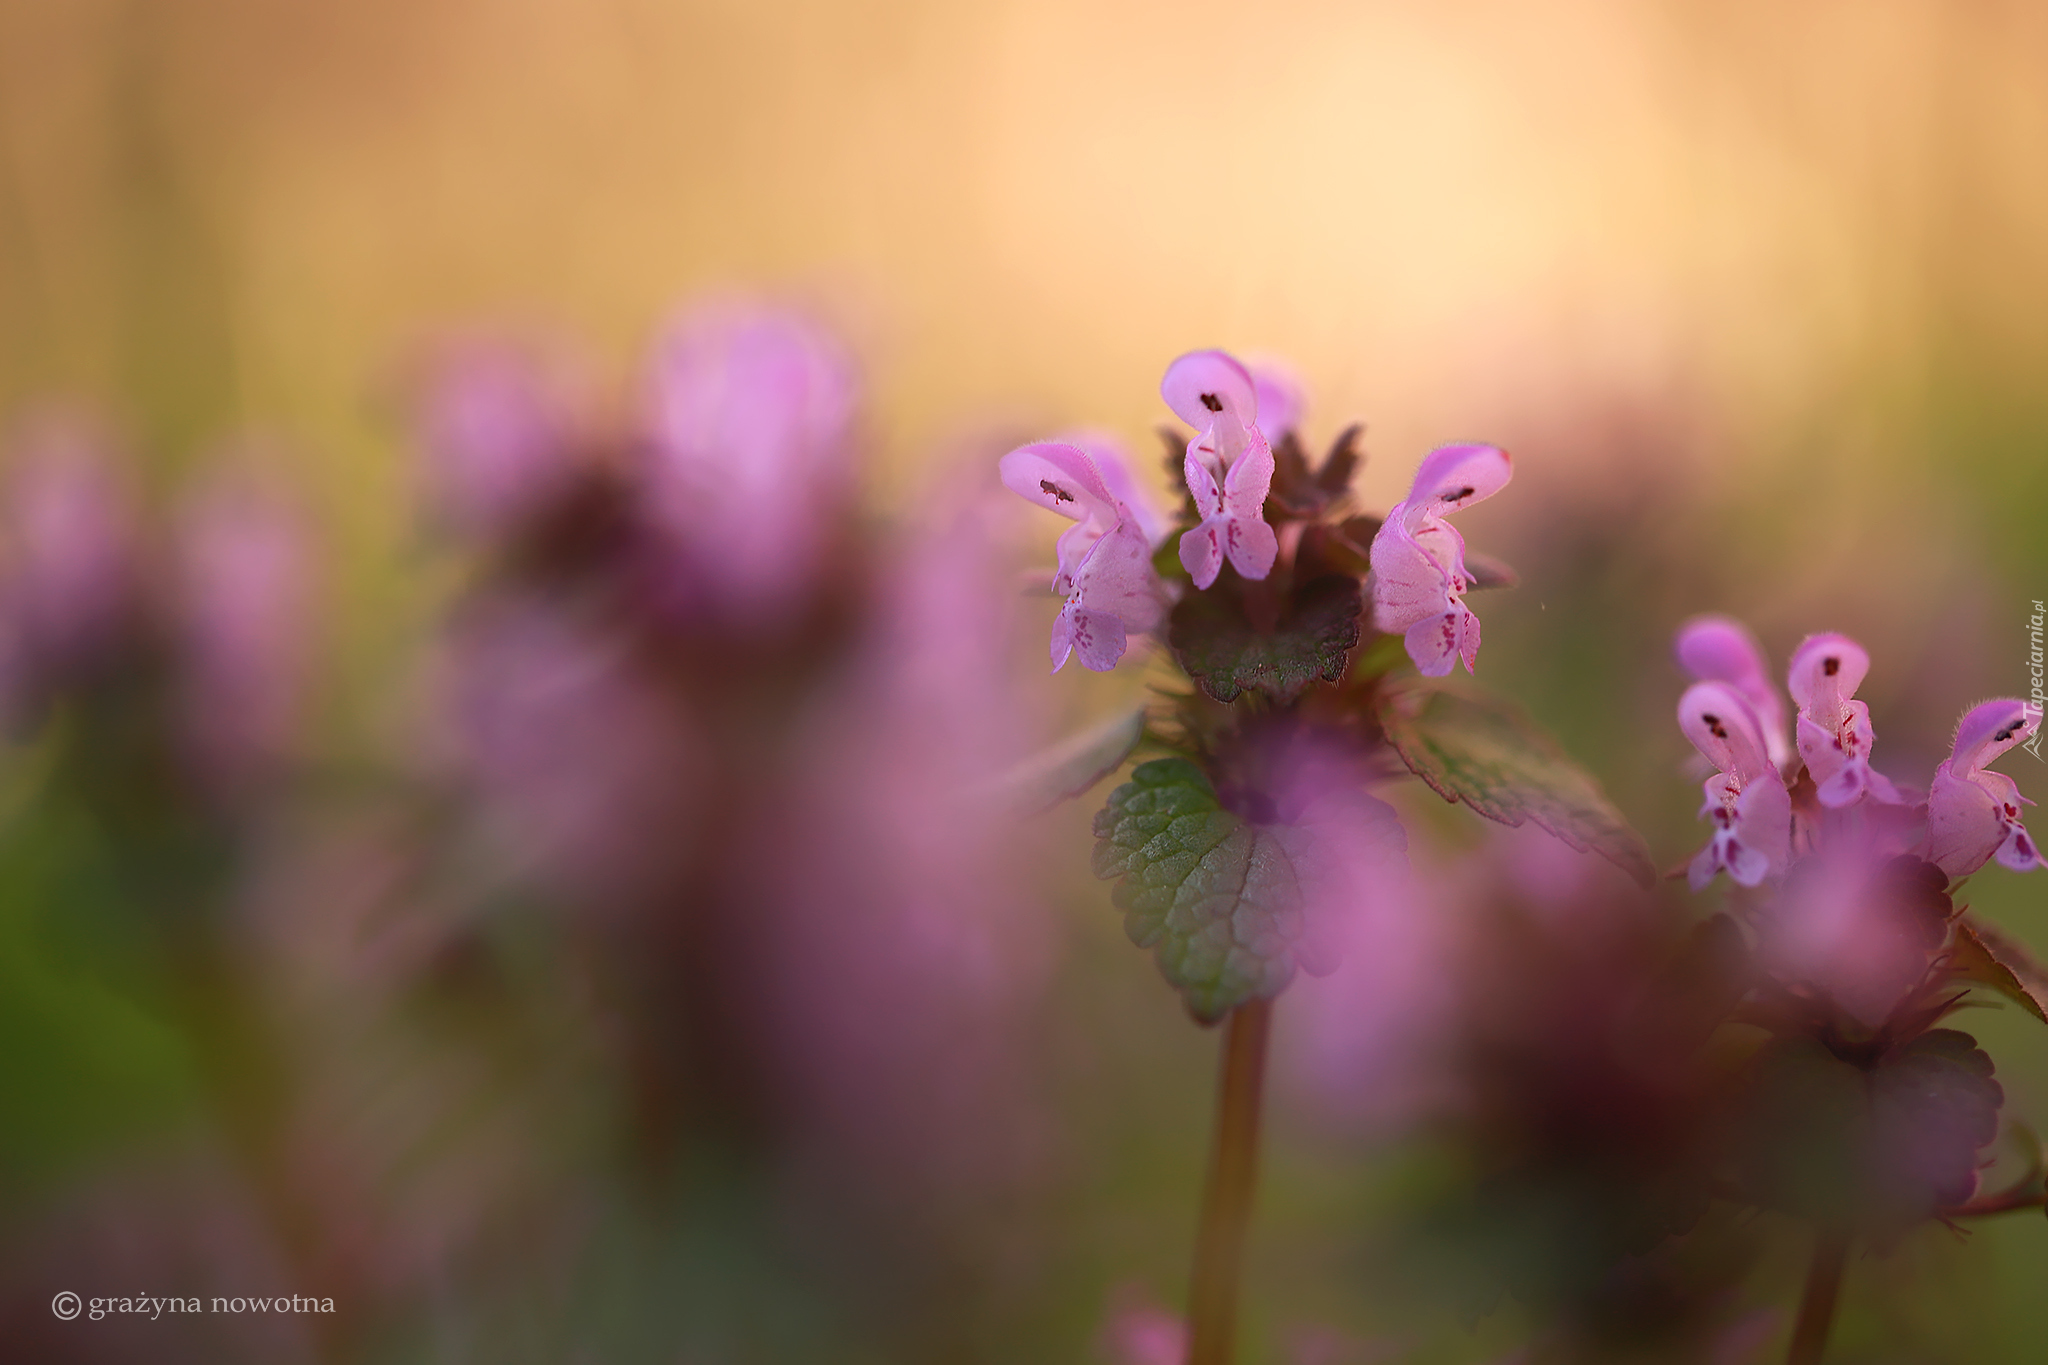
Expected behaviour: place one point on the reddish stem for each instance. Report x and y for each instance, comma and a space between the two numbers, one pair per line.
1817, 1305
1227, 1200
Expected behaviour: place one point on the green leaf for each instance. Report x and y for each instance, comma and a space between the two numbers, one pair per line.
1070, 767
1222, 902
1214, 637
1488, 754
1985, 957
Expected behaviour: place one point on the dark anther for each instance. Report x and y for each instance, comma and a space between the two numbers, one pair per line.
1212, 402
1714, 724
1058, 492
1460, 495
1831, 666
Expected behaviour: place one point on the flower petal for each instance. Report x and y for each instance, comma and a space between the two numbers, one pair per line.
1720, 725
1763, 826
1203, 386
1721, 649
1117, 578
1098, 638
1250, 479
1279, 396
1060, 478
1201, 552
1826, 671
1113, 463
1964, 824
1437, 643
1456, 476
1202, 485
1989, 729
1407, 584
1251, 544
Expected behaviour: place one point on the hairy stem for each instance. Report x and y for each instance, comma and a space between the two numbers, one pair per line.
1817, 1305
1227, 1201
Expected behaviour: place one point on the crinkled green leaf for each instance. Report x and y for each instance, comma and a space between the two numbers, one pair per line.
1878, 1147
1985, 957
1488, 754
1219, 900
1220, 646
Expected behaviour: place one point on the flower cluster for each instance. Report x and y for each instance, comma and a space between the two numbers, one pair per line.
1107, 574
1736, 719
1860, 1112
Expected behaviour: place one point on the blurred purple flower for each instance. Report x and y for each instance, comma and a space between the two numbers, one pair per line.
242, 609
584, 768
750, 411
1419, 578
1229, 466
1142, 1333
1973, 814
497, 427
71, 521
1856, 922
909, 951
1280, 396
1363, 1046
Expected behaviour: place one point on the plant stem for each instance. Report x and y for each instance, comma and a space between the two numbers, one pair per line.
1817, 1305
1227, 1201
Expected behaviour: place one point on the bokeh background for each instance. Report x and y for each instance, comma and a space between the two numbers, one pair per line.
1755, 293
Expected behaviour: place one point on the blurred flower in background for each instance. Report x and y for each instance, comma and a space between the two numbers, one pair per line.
515, 850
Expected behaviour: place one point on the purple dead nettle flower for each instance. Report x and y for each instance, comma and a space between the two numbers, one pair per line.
1419, 577
1279, 394
750, 412
497, 430
1973, 815
72, 527
1229, 466
1834, 733
1105, 559
909, 958
1721, 649
242, 579
580, 766
1746, 796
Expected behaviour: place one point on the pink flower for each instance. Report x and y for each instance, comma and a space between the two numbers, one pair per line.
497, 431
1105, 558
1746, 796
1974, 815
243, 580
751, 413
1140, 1333
1279, 395
1419, 579
1834, 733
582, 767
1855, 922
71, 517
1721, 649
1229, 466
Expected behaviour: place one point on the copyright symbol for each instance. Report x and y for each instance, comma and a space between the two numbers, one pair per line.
65, 1305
